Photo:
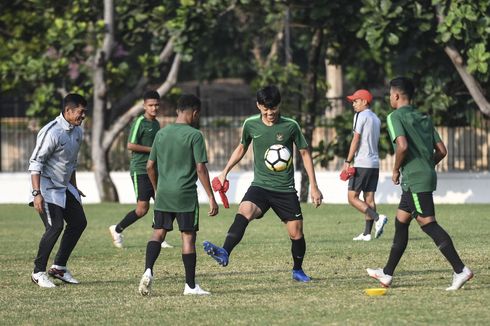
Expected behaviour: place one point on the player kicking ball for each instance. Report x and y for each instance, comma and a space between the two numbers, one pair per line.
273, 184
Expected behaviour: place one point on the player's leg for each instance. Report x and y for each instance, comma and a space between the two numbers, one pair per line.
53, 222
76, 222
400, 240
144, 192
369, 222
424, 204
361, 206
162, 223
254, 204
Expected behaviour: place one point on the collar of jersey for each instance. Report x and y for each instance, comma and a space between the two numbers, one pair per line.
63, 123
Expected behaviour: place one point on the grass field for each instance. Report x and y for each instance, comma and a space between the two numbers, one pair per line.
256, 288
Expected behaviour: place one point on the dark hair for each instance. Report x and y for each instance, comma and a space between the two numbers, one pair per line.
269, 96
151, 95
73, 100
189, 102
404, 85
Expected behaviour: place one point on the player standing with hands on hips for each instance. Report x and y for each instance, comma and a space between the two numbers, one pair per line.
177, 159
363, 155
418, 149
55, 195
270, 188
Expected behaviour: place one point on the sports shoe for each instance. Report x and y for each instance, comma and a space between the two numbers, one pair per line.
165, 244
42, 279
195, 291
300, 276
379, 226
219, 254
460, 279
362, 237
62, 273
378, 274
145, 283
117, 238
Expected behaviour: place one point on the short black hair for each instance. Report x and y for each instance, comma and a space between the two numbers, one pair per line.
72, 101
404, 85
189, 102
269, 96
151, 95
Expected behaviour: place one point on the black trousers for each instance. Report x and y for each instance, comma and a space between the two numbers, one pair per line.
52, 218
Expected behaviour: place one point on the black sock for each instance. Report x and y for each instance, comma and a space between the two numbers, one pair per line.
445, 244
368, 227
152, 252
235, 233
400, 241
190, 269
129, 219
298, 249
372, 213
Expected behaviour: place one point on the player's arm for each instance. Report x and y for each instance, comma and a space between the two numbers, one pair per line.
315, 193
138, 148
354, 145
440, 152
400, 154
152, 173
235, 157
38, 201
203, 175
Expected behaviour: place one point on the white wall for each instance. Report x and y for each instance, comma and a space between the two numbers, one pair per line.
453, 188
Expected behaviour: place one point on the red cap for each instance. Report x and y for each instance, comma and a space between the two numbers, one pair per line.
362, 94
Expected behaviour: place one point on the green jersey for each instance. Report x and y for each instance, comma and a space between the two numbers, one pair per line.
143, 133
176, 150
285, 131
418, 168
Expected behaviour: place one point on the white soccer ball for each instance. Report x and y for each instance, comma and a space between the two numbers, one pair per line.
277, 158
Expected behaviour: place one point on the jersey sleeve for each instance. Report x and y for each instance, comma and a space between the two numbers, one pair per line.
135, 132
436, 137
199, 149
153, 152
395, 126
358, 125
45, 146
246, 135
299, 138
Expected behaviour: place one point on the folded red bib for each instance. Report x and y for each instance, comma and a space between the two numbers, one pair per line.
347, 174
221, 189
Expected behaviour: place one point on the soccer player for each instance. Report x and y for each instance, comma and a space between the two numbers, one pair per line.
418, 149
177, 158
364, 152
141, 136
270, 189
55, 195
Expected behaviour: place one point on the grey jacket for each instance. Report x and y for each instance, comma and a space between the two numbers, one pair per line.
55, 158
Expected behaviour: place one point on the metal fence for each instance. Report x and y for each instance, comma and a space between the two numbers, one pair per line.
221, 120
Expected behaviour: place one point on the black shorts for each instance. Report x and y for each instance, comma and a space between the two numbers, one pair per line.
365, 180
418, 204
187, 221
284, 204
143, 189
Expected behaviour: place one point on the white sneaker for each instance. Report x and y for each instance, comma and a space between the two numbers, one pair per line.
165, 244
460, 279
195, 291
117, 238
362, 237
378, 274
145, 284
42, 279
62, 273
379, 226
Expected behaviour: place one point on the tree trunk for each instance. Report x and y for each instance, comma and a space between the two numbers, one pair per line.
105, 186
311, 103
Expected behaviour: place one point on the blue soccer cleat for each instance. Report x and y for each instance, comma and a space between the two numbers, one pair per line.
300, 276
219, 254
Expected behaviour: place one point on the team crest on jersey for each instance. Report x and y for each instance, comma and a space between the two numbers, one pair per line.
279, 137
